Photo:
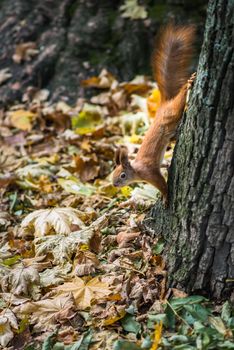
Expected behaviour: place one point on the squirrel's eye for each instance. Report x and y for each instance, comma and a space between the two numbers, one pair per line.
122, 175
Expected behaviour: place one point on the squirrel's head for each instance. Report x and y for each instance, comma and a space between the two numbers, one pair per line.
124, 172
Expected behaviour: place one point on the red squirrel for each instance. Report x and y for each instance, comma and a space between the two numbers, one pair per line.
171, 59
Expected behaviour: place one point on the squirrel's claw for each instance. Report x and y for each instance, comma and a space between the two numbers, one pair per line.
191, 80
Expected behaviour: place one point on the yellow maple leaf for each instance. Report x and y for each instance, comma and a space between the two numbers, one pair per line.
22, 119
157, 336
136, 139
115, 318
85, 293
126, 191
153, 102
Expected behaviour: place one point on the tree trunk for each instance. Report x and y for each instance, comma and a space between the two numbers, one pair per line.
76, 39
199, 224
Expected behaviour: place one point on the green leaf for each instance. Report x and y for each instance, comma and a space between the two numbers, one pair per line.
59, 346
125, 345
158, 248
87, 120
177, 303
184, 347
152, 319
203, 340
146, 343
178, 338
73, 185
227, 345
171, 319
198, 312
130, 324
23, 325
11, 261
50, 341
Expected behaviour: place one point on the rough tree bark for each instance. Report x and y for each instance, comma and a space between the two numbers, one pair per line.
199, 223
75, 39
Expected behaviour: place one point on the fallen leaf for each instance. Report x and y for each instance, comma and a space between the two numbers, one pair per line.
85, 293
55, 276
125, 237
103, 81
87, 168
63, 247
73, 185
88, 120
21, 281
22, 119
157, 336
85, 263
7, 322
153, 102
114, 318
46, 313
59, 220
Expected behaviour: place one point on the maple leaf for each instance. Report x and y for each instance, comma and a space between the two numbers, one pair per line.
21, 280
157, 336
7, 322
153, 102
63, 247
48, 312
85, 293
58, 219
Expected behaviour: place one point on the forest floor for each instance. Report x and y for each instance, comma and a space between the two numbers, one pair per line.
79, 269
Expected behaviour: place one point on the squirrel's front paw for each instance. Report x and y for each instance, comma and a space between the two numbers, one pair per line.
191, 80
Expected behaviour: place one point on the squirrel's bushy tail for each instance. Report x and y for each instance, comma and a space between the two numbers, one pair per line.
171, 58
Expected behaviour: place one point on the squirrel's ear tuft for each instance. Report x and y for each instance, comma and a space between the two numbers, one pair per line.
124, 157
117, 156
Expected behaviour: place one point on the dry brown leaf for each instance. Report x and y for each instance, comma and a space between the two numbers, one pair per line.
104, 80
85, 293
48, 312
87, 167
178, 293
125, 237
7, 322
21, 281
85, 263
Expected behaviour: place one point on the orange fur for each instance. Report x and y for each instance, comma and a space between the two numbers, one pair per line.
171, 59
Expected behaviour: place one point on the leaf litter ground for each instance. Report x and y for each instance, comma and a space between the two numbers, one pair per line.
79, 270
